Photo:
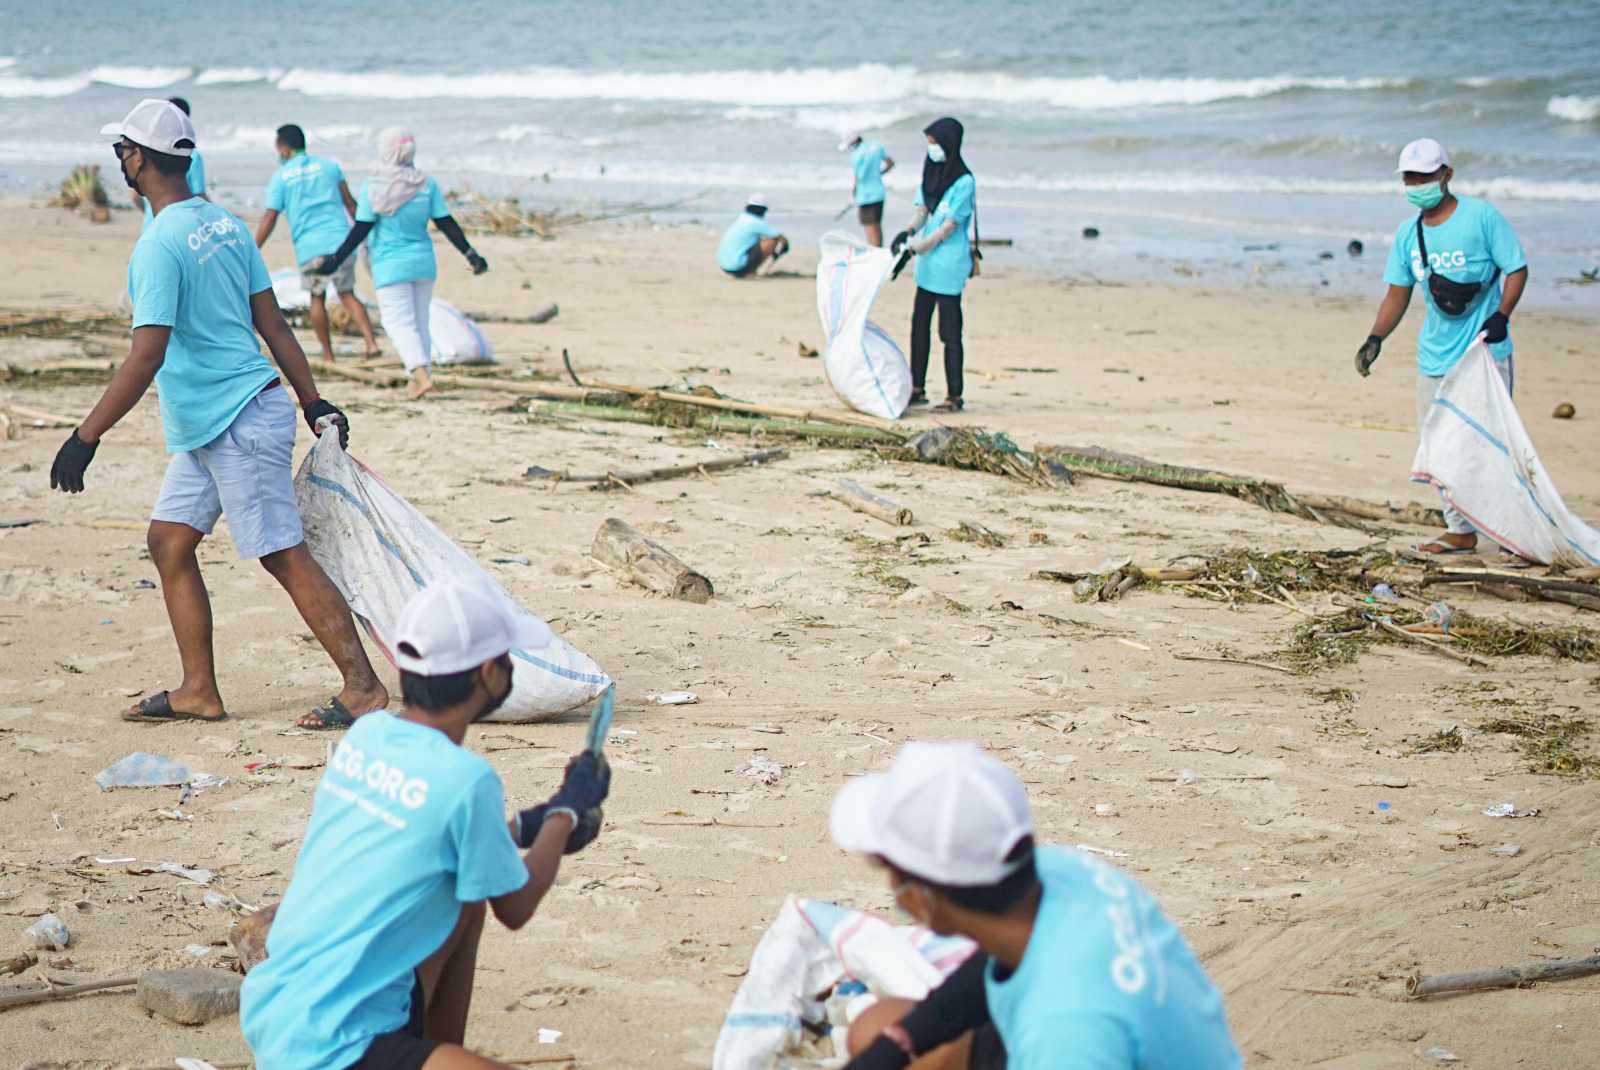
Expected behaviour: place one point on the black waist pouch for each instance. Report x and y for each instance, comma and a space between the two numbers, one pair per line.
1449, 296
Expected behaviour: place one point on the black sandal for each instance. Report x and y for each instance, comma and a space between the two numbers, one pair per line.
949, 405
918, 397
157, 709
330, 715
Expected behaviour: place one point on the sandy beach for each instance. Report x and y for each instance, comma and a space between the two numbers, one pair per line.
1246, 798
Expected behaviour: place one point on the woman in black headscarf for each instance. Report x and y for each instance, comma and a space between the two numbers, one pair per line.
937, 235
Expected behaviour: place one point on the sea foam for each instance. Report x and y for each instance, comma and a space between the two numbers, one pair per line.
138, 77
1574, 109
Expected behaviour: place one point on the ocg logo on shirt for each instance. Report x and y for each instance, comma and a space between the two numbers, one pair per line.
379, 776
212, 229
1437, 261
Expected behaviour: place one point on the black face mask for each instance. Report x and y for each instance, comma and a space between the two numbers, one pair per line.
496, 703
131, 180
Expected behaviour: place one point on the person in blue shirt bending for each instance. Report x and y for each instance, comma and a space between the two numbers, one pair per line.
946, 203
201, 296
311, 191
195, 176
395, 207
750, 241
371, 953
1473, 273
1076, 968
869, 162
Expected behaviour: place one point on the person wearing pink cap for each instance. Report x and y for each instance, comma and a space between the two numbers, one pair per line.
1076, 967
371, 954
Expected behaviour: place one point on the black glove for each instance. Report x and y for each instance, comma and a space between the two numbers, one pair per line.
583, 833
585, 786
899, 240
1495, 327
479, 264
71, 460
316, 410
1367, 355
322, 265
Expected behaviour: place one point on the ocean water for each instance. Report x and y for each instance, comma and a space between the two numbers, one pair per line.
1184, 132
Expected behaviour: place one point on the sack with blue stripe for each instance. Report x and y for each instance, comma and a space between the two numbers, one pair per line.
864, 366
380, 551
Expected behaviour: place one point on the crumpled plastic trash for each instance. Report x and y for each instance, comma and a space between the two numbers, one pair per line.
763, 769
49, 932
1508, 810
143, 770
676, 698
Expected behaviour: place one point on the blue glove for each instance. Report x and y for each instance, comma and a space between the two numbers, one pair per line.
583, 789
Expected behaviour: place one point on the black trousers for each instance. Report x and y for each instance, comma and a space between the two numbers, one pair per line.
949, 306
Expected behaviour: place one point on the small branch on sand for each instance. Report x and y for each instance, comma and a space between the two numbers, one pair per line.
1234, 661
854, 496
46, 995
608, 480
1502, 977
1398, 632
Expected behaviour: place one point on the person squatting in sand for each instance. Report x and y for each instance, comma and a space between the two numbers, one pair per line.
1077, 968
370, 956
395, 206
750, 243
1458, 248
869, 162
312, 193
201, 294
946, 200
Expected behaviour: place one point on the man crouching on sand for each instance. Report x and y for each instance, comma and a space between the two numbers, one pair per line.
1076, 968
201, 294
371, 955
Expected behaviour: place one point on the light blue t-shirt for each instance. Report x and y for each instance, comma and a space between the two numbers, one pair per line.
1107, 982
944, 269
400, 247
741, 236
1467, 247
195, 176
866, 160
194, 270
405, 827
306, 189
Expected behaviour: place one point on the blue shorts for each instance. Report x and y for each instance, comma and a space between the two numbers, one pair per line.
246, 474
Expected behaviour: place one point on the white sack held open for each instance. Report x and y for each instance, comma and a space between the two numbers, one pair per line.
1476, 451
380, 551
864, 366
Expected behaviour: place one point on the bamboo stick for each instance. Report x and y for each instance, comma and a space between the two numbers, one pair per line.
854, 496
608, 480
45, 995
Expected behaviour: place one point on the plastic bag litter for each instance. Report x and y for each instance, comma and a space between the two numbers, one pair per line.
380, 551
1476, 450
143, 770
456, 339
49, 933
809, 948
863, 364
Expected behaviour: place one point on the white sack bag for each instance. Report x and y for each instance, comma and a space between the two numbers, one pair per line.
292, 296
1477, 452
456, 339
380, 551
863, 364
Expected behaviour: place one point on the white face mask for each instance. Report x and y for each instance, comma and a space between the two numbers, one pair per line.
936, 153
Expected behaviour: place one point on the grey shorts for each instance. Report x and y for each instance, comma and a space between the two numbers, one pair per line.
343, 280
246, 474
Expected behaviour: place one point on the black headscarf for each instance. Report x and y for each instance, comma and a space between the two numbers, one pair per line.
939, 177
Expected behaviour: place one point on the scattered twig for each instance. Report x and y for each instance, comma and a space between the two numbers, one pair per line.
45, 995
1234, 661
1502, 976
627, 480
713, 823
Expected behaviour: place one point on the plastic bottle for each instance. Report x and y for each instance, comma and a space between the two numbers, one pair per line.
1440, 614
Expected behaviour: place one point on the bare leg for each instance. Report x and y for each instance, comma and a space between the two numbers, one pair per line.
874, 233
319, 324
172, 548
447, 977
956, 1055
421, 382
363, 322
771, 250
325, 610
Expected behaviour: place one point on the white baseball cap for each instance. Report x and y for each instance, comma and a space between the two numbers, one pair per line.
454, 626
156, 124
946, 812
756, 200
848, 140
1424, 156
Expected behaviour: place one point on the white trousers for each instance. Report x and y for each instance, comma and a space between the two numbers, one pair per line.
404, 307
1427, 389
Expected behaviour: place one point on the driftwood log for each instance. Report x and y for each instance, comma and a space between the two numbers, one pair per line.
855, 496
608, 480
45, 995
646, 562
1503, 976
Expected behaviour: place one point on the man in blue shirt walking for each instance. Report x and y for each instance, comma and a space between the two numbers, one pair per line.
201, 295
312, 192
869, 162
371, 954
1077, 968
1460, 249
